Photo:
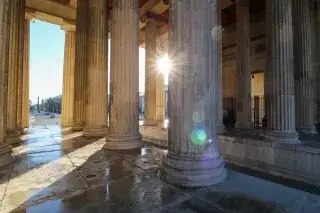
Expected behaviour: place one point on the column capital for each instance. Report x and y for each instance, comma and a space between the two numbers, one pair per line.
68, 25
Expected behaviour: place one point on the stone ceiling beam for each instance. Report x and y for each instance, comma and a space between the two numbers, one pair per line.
154, 16
148, 6
52, 9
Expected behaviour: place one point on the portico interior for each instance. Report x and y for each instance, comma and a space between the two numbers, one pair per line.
243, 91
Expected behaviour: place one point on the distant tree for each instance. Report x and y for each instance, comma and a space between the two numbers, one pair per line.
52, 104
31, 106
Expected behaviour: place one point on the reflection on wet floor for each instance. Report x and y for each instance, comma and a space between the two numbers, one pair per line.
61, 171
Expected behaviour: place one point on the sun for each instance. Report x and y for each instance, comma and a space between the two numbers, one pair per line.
164, 64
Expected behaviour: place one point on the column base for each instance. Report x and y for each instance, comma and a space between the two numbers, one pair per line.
6, 155
77, 127
150, 123
307, 130
14, 137
94, 131
290, 137
188, 171
22, 131
122, 142
243, 125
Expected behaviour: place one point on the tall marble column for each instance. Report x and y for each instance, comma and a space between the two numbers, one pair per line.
14, 74
97, 90
217, 32
193, 157
160, 108
279, 86
81, 70
20, 66
124, 77
26, 72
5, 149
302, 51
68, 75
150, 95
316, 56
243, 97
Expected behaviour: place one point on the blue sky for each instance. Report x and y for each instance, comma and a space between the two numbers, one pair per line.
46, 61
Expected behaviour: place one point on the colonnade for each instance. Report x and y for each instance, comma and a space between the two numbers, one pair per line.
14, 75
290, 77
195, 85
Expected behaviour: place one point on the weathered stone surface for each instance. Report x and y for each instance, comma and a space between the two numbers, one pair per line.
79, 176
218, 32
15, 70
26, 72
97, 91
243, 98
68, 76
5, 149
150, 95
81, 71
193, 158
279, 75
124, 84
303, 77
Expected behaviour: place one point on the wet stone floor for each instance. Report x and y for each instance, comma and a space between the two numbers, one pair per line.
60, 171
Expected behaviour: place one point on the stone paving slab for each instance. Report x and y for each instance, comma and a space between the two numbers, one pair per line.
83, 177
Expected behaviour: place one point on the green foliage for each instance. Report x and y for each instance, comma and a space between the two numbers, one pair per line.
52, 104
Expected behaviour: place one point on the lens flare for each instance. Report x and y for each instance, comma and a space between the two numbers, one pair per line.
164, 64
198, 137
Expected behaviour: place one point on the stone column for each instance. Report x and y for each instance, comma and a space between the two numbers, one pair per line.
316, 56
68, 75
5, 149
302, 51
160, 108
20, 66
81, 69
243, 98
217, 32
14, 76
124, 76
26, 72
193, 158
150, 96
97, 105
279, 86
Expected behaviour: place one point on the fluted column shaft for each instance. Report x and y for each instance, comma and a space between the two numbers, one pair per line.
5, 149
316, 57
81, 70
217, 32
160, 108
97, 46
193, 158
68, 77
243, 66
150, 96
124, 76
279, 74
26, 73
20, 66
302, 51
14, 74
